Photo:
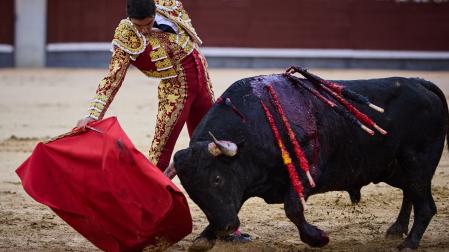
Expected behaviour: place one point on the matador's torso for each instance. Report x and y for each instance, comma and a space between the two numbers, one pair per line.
156, 55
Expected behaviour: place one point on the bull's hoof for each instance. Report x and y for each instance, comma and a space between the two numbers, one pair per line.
202, 244
314, 236
408, 245
396, 231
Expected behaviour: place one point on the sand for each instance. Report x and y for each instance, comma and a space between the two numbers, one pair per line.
37, 104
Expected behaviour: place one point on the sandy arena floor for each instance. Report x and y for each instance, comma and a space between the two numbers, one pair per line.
37, 104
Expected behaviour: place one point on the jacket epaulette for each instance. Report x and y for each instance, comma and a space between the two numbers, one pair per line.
174, 11
127, 38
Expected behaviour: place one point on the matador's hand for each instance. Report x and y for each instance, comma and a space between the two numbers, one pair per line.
83, 122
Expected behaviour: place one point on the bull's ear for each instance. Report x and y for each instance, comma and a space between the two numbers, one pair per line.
181, 159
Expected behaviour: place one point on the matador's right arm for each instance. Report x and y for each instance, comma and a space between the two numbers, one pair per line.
110, 84
128, 43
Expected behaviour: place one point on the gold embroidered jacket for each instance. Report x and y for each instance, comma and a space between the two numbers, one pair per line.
155, 55
175, 12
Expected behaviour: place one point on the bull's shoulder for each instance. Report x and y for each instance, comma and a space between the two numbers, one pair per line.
241, 86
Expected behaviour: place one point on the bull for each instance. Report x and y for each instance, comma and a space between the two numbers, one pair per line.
220, 176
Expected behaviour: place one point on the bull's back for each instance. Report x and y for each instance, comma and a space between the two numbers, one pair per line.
348, 156
414, 117
412, 110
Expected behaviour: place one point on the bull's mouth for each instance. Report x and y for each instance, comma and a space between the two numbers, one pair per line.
224, 230
228, 231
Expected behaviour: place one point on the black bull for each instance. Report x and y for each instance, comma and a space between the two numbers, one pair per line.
416, 118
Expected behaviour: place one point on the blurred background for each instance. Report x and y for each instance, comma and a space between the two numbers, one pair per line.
385, 34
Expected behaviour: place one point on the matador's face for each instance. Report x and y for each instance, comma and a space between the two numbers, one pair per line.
144, 25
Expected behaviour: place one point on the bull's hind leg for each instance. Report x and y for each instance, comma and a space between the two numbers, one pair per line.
309, 234
400, 227
418, 166
424, 209
354, 195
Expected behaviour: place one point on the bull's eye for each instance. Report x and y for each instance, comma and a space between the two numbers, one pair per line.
217, 180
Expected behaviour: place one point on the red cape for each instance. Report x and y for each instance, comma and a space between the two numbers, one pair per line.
108, 191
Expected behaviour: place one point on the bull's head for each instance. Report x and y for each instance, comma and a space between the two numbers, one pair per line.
209, 172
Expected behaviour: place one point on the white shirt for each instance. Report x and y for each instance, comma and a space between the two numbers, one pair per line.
163, 20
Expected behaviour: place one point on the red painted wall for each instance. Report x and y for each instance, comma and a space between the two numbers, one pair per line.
83, 20
7, 22
353, 24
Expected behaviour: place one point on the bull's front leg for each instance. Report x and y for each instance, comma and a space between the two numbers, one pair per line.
205, 241
309, 234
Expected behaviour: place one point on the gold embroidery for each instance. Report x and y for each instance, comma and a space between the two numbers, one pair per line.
175, 12
189, 47
169, 73
166, 53
163, 64
169, 5
110, 84
158, 54
154, 42
172, 95
128, 39
183, 41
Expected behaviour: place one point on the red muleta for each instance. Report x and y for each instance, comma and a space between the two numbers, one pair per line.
102, 186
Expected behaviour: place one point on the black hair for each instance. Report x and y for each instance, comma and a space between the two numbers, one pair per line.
140, 9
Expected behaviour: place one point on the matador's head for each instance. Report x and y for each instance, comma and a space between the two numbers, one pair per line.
142, 13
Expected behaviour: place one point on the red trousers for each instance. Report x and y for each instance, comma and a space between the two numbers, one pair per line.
183, 99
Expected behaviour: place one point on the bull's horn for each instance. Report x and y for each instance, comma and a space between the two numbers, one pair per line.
226, 147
